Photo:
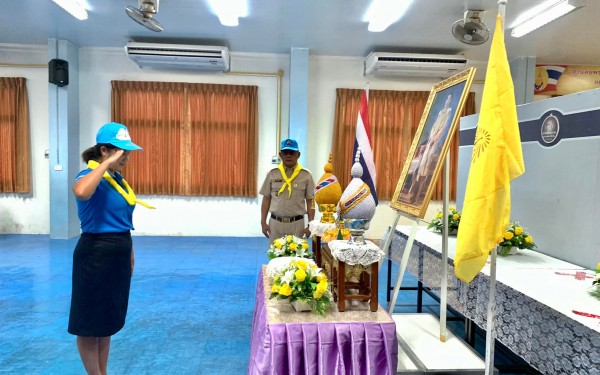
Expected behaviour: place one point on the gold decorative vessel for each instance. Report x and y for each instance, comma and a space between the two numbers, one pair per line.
327, 210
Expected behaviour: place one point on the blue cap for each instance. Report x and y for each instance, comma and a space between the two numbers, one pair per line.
289, 144
116, 135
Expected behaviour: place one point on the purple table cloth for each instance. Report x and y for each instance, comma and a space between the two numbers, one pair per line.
285, 342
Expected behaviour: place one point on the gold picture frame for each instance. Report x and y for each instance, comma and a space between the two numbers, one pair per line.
430, 144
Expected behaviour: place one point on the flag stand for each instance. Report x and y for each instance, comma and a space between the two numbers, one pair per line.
491, 308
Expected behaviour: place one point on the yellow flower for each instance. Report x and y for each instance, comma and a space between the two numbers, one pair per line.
598, 266
277, 244
508, 235
317, 295
321, 277
275, 288
440, 215
314, 266
322, 287
305, 245
288, 238
518, 230
452, 209
300, 275
293, 246
455, 216
529, 239
285, 290
301, 264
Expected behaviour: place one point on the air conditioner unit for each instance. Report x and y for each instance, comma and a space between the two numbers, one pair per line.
410, 64
179, 56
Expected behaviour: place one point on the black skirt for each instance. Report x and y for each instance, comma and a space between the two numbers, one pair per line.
101, 281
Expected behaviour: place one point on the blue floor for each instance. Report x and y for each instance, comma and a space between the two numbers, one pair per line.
190, 309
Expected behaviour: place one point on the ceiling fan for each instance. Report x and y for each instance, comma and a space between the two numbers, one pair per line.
470, 29
144, 14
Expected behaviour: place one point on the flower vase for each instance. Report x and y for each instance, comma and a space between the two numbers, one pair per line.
504, 251
301, 306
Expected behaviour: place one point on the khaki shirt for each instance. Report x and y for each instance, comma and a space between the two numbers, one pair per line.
283, 204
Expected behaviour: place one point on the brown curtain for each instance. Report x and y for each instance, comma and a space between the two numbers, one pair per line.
394, 117
15, 152
224, 136
198, 139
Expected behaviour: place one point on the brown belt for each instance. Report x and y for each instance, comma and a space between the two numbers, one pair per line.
285, 219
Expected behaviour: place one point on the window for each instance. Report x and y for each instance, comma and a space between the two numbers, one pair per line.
15, 152
198, 139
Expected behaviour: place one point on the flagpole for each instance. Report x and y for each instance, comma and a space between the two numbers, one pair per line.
444, 283
491, 308
491, 312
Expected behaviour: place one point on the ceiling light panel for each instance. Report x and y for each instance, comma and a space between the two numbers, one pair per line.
75, 7
382, 13
229, 11
542, 15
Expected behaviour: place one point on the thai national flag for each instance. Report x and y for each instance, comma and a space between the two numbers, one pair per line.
554, 73
363, 140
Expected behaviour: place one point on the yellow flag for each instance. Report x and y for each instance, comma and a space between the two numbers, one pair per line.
496, 160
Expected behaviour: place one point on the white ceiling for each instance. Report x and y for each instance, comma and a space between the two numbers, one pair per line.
325, 27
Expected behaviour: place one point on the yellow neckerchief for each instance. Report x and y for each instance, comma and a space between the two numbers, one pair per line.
129, 196
288, 181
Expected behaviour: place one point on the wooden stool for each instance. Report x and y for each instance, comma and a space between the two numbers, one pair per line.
366, 285
316, 242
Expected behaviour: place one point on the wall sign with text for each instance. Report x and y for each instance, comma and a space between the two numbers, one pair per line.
565, 79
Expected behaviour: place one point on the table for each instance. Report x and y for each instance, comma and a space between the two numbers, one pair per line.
287, 342
367, 284
535, 298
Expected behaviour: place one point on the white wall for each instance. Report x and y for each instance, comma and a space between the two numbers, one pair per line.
30, 213
204, 216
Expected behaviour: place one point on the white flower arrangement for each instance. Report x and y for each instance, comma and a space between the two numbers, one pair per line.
289, 246
595, 289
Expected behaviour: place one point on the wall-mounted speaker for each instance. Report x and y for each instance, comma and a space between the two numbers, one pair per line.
58, 72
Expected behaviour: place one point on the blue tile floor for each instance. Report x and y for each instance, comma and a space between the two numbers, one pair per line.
190, 309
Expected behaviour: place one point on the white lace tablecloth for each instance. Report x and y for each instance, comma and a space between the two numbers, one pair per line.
352, 254
318, 229
535, 298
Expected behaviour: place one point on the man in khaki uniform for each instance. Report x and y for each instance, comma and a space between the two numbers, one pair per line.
287, 194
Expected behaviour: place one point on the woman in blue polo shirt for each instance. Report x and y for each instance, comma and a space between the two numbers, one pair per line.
103, 259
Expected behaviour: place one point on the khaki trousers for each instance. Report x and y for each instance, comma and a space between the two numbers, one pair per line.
279, 229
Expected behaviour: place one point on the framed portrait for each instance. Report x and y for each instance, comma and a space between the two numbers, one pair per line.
429, 147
